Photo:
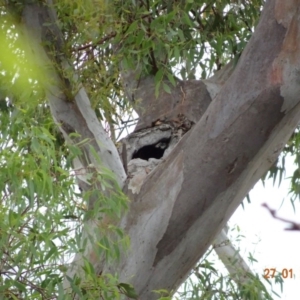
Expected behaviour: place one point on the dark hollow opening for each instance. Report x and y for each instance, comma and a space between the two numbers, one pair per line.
152, 151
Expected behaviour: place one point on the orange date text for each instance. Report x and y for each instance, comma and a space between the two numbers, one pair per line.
272, 272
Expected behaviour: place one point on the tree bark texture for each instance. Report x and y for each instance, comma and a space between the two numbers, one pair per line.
238, 128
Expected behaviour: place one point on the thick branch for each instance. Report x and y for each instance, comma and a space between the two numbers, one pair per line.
190, 197
71, 114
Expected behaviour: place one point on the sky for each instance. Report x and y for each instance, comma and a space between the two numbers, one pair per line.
266, 238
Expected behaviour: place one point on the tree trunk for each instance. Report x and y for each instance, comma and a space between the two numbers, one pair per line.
187, 199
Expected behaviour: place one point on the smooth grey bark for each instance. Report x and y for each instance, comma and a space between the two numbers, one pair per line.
231, 258
188, 198
71, 115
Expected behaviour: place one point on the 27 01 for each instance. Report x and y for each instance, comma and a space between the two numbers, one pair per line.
271, 272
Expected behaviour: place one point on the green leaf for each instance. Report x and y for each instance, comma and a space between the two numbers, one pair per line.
88, 268
51, 252
13, 218
171, 79
20, 286
159, 76
128, 290
166, 88
133, 26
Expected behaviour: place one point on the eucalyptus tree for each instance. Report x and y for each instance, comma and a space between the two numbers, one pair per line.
217, 101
